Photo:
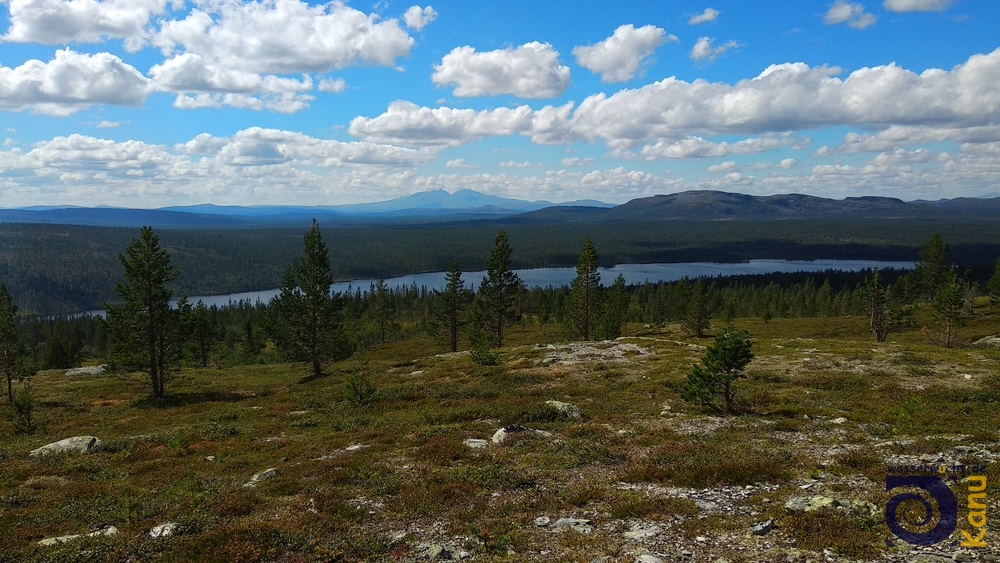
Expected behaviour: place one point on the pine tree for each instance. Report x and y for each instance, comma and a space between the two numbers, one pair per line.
495, 302
948, 307
721, 366
12, 352
148, 334
450, 305
876, 300
306, 323
585, 294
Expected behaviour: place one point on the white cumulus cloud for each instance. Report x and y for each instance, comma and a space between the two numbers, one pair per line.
618, 57
709, 15
850, 13
530, 71
60, 22
284, 36
417, 18
576, 161
405, 123
704, 51
917, 5
697, 147
71, 82
729, 166
332, 86
203, 85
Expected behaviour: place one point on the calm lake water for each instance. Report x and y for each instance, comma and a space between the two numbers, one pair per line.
542, 277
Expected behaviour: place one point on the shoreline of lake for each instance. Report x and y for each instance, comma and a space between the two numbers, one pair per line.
543, 277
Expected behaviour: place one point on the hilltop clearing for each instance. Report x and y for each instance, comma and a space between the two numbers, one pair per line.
270, 463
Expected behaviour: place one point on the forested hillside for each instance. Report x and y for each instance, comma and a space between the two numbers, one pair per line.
63, 268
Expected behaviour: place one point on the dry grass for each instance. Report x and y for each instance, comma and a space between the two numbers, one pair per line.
417, 481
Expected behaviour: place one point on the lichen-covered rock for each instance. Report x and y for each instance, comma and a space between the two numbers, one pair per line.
819, 502
262, 476
163, 530
90, 370
82, 444
107, 532
501, 435
568, 410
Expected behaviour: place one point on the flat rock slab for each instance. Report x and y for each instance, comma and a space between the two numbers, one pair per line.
641, 532
106, 532
820, 503
91, 370
262, 476
476, 443
82, 444
578, 524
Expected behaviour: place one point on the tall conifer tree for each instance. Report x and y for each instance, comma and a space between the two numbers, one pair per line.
495, 301
585, 293
307, 317
148, 334
450, 305
12, 351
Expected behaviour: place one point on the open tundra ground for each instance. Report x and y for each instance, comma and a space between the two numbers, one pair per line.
642, 473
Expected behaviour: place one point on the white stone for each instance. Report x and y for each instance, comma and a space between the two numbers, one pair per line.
501, 435
90, 370
163, 530
476, 443
355, 447
839, 420
262, 476
81, 444
108, 532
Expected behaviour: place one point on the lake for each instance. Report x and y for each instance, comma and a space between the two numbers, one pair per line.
542, 277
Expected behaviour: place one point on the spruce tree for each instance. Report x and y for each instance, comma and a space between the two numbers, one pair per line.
495, 302
12, 352
306, 321
993, 285
696, 316
450, 305
382, 307
934, 265
585, 294
148, 334
201, 326
616, 307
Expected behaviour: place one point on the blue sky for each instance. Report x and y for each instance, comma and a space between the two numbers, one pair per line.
149, 103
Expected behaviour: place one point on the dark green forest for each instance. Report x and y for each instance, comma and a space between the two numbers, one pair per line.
54, 269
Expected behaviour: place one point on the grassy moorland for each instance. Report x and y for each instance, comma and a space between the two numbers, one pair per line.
825, 409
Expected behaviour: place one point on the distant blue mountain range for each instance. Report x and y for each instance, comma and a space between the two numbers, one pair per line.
465, 205
424, 206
